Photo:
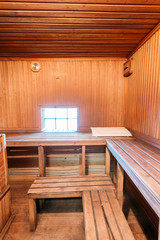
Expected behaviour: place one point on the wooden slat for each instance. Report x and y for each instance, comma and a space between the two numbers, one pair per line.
110, 215
99, 217
41, 160
69, 184
80, 7
122, 223
89, 220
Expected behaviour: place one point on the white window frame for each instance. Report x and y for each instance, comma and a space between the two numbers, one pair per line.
43, 118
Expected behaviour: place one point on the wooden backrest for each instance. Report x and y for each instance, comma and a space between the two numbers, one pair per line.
3, 163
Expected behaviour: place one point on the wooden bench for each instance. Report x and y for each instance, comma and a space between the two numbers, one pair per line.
103, 217
141, 162
63, 187
100, 206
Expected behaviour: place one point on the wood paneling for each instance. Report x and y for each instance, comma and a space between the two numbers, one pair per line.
37, 28
95, 86
143, 101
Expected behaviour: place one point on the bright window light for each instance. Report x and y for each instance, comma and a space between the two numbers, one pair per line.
59, 119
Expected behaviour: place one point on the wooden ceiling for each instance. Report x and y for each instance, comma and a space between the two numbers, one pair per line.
75, 28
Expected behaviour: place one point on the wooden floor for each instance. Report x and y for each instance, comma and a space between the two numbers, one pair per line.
58, 220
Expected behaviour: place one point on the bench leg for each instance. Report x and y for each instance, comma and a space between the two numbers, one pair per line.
159, 230
107, 163
120, 180
32, 214
41, 159
114, 170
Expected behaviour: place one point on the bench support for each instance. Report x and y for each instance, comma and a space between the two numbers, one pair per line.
83, 166
120, 181
32, 214
41, 161
159, 230
107, 163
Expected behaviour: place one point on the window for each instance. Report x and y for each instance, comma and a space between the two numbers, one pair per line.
59, 119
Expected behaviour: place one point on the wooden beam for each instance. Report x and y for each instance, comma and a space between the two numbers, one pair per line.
107, 162
120, 181
83, 166
41, 161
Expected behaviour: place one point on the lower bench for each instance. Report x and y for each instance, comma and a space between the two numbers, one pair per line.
103, 217
102, 214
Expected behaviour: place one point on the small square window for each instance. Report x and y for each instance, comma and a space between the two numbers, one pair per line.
59, 119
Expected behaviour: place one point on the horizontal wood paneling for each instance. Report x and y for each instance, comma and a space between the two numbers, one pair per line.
143, 101
95, 86
88, 22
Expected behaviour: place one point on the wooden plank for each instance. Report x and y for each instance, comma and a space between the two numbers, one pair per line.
41, 160
62, 179
99, 217
119, 184
80, 7
79, 14
89, 220
32, 214
52, 191
122, 222
138, 2
107, 162
76, 20
69, 184
109, 214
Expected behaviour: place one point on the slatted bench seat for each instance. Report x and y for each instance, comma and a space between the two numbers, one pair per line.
63, 187
141, 162
103, 217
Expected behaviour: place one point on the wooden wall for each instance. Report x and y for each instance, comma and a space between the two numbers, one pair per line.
143, 98
95, 86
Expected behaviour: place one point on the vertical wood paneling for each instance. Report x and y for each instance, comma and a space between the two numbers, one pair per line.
95, 86
143, 98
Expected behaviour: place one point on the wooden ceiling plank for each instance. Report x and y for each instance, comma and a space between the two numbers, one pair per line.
80, 7
73, 36
141, 2
74, 14
76, 20
74, 26
98, 41
74, 31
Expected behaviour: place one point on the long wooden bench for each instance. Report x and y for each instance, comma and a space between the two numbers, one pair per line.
103, 217
106, 210
63, 187
141, 162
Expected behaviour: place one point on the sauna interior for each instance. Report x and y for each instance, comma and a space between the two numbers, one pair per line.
80, 120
